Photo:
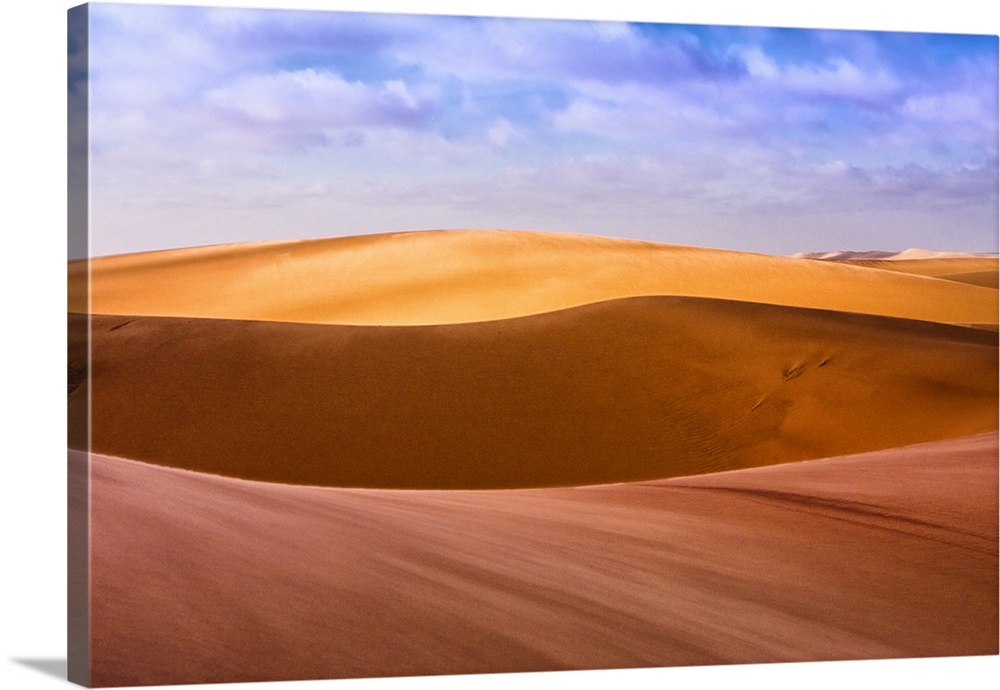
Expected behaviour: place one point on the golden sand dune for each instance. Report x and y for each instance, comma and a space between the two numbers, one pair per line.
974, 270
990, 279
202, 579
464, 276
617, 391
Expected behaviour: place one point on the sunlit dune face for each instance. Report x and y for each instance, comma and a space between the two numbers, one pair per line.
466, 276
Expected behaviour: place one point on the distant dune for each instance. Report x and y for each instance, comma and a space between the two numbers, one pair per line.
974, 269
990, 279
935, 268
201, 579
437, 277
904, 255
622, 390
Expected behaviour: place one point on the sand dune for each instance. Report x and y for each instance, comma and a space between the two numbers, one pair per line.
904, 255
918, 253
198, 578
572, 419
466, 276
945, 268
623, 390
973, 269
990, 279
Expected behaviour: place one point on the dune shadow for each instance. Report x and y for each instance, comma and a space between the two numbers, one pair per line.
50, 667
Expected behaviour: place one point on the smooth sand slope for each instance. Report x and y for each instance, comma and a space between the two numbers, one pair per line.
974, 270
199, 578
437, 277
990, 279
625, 390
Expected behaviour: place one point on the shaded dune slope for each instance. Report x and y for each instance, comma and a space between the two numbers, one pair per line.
198, 578
617, 391
435, 277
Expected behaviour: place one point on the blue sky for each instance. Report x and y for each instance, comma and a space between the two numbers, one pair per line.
224, 125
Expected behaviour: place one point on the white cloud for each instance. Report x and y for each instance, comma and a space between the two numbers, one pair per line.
836, 77
841, 77
948, 107
759, 65
316, 98
629, 111
501, 132
836, 168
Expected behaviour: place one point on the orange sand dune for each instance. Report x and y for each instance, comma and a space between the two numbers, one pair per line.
990, 279
982, 270
623, 390
465, 276
974, 269
198, 578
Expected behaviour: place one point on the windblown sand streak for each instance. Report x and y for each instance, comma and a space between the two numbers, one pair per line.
624, 390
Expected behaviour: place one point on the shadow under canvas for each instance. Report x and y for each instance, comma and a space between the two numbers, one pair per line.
50, 667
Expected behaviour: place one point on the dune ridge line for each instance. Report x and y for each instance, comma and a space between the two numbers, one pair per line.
457, 276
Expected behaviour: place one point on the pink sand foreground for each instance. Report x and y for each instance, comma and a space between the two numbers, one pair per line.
199, 578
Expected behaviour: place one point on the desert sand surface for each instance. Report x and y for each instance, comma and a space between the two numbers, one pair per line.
482, 451
990, 279
974, 269
456, 276
984, 270
200, 578
624, 390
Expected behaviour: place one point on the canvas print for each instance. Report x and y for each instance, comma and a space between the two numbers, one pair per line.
410, 345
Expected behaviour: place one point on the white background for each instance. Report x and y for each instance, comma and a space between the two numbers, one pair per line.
32, 198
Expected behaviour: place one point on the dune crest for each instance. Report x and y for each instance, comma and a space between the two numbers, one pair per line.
434, 277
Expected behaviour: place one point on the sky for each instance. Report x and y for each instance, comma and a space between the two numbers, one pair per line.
213, 125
